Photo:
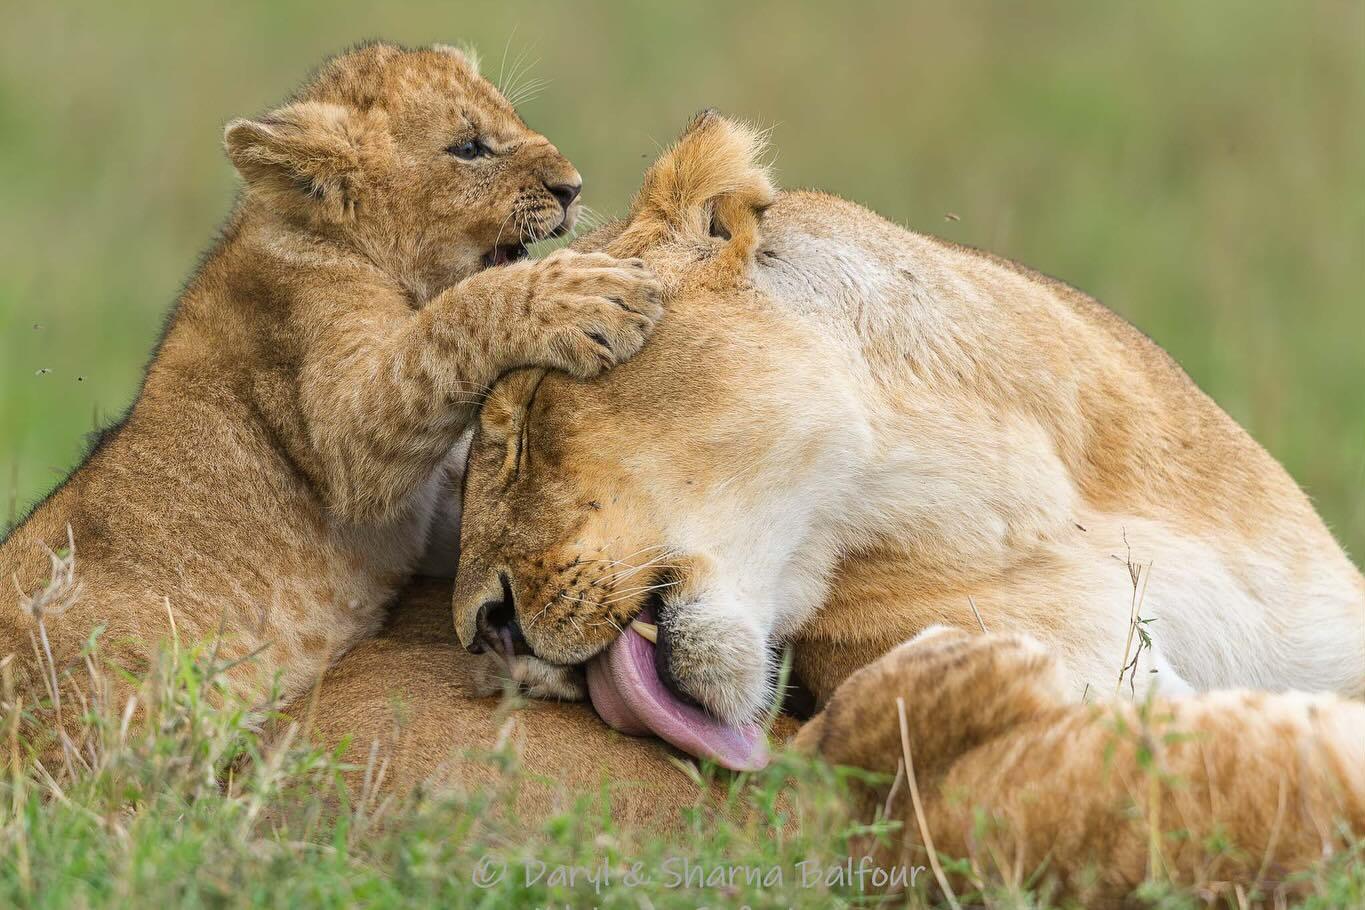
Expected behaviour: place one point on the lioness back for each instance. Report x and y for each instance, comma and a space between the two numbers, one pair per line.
1076, 452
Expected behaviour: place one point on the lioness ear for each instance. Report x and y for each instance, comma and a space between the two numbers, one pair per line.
504, 411
709, 185
304, 158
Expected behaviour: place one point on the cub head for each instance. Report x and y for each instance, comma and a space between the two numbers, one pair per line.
675, 485
960, 688
412, 158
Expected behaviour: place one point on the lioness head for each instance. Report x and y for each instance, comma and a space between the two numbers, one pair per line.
414, 159
651, 488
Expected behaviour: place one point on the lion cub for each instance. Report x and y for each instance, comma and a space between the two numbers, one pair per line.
1230, 787
295, 439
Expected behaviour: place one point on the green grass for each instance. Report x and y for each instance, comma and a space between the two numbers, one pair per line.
1200, 167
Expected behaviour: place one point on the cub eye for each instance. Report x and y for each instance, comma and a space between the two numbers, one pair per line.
468, 150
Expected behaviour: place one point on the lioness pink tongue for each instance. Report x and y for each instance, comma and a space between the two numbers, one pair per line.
625, 688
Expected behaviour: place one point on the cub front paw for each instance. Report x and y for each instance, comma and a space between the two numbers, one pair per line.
495, 673
591, 311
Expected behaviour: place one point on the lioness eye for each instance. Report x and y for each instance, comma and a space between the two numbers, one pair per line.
466, 151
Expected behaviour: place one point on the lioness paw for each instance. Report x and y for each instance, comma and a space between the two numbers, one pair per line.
591, 311
717, 657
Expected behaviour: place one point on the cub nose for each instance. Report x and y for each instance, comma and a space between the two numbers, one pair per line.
497, 625
566, 193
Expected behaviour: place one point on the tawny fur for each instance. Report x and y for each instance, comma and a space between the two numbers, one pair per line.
291, 451
406, 704
1014, 774
844, 432
1229, 787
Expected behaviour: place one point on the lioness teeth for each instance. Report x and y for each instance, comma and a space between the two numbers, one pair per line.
647, 630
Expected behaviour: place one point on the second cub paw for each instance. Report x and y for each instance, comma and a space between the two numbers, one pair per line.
494, 674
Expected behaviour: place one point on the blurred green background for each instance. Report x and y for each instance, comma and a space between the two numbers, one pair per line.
1200, 167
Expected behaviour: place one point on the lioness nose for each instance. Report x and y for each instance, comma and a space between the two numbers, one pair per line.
497, 624
566, 193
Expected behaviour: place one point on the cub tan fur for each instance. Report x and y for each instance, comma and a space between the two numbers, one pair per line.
845, 432
408, 696
1019, 778
288, 455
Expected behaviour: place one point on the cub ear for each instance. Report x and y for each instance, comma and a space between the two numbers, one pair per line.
504, 411
466, 54
304, 158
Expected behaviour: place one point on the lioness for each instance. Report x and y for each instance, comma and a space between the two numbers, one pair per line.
845, 432
992, 715
285, 462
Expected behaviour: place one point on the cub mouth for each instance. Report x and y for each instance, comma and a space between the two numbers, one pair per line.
629, 692
505, 254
